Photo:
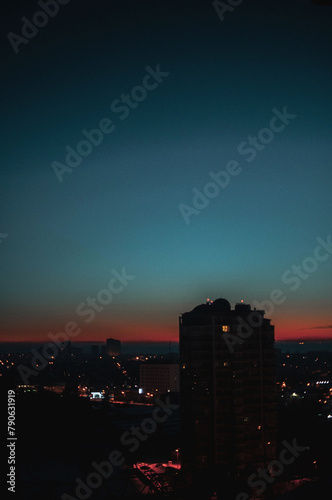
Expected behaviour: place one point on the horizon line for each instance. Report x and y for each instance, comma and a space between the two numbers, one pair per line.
149, 341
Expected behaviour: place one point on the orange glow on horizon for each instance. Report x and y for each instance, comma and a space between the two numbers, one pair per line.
291, 325
145, 333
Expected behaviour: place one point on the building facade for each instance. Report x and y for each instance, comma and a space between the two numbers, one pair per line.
228, 388
159, 378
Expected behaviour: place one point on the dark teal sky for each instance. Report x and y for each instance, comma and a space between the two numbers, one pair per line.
120, 206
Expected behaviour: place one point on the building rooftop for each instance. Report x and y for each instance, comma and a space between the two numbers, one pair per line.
220, 306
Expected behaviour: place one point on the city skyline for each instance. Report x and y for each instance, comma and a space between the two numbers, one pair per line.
156, 156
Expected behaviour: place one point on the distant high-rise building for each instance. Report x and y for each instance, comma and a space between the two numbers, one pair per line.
95, 350
159, 377
113, 347
228, 388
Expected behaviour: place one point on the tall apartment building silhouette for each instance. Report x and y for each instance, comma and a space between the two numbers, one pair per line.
113, 347
228, 388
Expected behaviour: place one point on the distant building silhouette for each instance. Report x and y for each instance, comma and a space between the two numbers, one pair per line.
113, 347
159, 377
95, 350
228, 388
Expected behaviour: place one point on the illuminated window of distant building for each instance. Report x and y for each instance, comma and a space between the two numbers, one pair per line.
225, 328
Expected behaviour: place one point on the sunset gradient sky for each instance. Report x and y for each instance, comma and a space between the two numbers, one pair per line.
119, 208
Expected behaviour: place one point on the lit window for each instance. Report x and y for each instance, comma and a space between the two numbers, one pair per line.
225, 328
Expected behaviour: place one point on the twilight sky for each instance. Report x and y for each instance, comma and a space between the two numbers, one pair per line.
212, 96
